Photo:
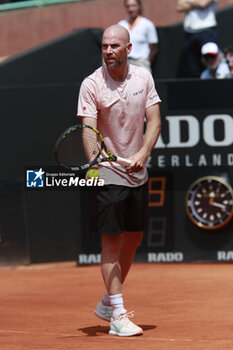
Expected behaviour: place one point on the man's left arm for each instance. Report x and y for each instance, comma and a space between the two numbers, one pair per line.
153, 127
200, 3
187, 5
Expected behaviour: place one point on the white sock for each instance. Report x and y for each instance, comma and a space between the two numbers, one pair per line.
106, 299
117, 304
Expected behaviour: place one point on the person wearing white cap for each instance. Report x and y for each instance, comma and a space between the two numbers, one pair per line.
200, 27
216, 68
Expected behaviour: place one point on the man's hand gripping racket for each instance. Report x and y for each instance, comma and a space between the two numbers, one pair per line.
81, 146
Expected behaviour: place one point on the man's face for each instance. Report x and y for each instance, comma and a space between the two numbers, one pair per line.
229, 59
132, 8
114, 49
211, 61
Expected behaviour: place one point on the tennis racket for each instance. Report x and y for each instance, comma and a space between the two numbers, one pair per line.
82, 146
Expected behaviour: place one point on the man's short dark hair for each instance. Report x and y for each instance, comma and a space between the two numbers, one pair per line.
228, 49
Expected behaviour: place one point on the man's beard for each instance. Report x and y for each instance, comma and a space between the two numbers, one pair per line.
114, 63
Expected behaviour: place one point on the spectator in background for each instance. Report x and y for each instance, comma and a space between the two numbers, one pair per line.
143, 35
228, 51
200, 28
213, 60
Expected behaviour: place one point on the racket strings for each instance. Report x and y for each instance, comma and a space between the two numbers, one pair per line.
79, 146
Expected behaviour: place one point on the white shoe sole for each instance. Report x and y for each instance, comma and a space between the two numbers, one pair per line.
124, 334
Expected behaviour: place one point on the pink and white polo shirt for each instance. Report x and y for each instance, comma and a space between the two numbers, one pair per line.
119, 108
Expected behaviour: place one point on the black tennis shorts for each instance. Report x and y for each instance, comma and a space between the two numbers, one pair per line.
120, 208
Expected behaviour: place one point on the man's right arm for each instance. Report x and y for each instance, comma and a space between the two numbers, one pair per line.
183, 6
88, 113
90, 121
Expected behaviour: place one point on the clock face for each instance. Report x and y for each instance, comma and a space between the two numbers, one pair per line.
209, 202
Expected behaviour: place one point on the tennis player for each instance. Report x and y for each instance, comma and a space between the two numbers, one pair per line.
115, 99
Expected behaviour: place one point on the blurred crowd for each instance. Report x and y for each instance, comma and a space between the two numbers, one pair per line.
204, 56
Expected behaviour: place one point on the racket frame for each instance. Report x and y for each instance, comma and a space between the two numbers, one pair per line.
110, 158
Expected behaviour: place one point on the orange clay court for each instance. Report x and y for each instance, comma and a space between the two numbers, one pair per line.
179, 306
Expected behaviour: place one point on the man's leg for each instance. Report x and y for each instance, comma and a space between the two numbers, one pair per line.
112, 257
118, 252
135, 208
110, 266
117, 256
110, 220
193, 55
130, 243
111, 272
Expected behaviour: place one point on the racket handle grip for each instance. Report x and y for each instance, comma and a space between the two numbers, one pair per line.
123, 160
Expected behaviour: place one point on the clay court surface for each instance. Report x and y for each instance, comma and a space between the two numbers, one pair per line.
182, 306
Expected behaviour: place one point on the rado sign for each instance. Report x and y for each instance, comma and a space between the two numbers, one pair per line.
196, 130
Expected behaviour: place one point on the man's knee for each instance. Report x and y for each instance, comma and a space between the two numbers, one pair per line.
133, 237
112, 243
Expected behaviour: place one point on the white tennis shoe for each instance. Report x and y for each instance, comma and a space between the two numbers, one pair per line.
103, 311
123, 327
